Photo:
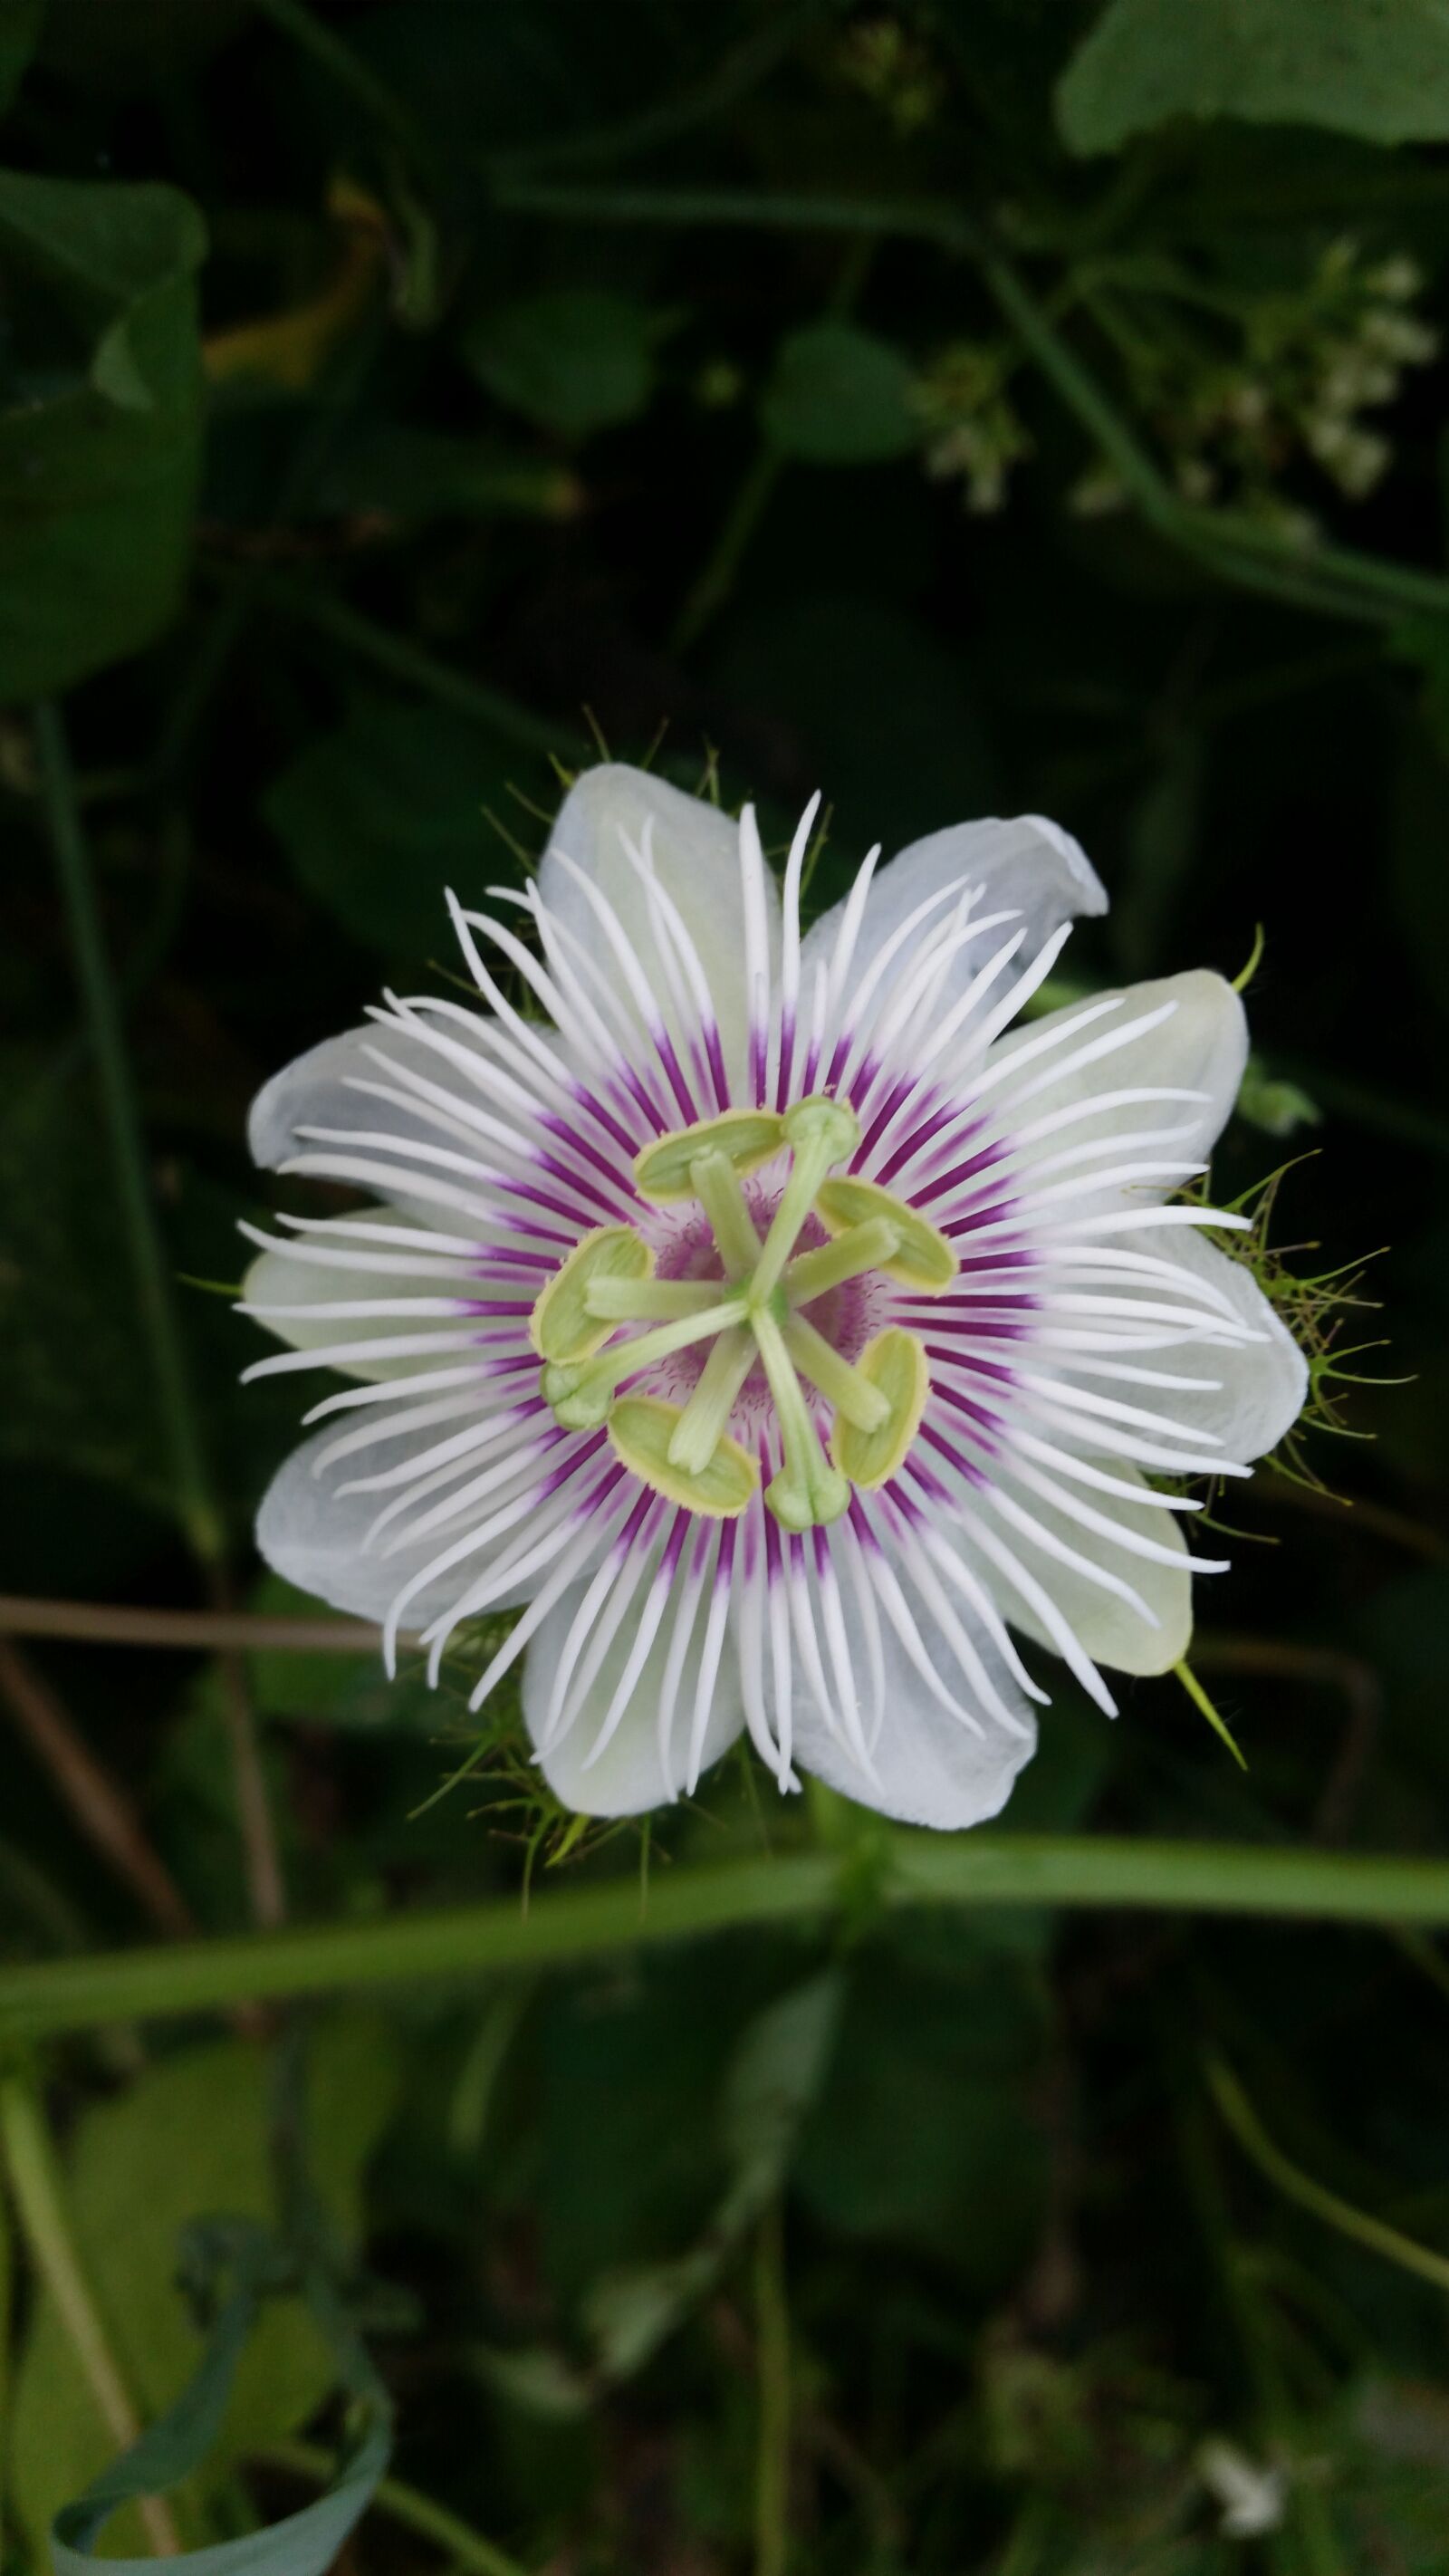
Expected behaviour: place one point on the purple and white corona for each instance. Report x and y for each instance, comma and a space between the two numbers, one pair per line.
779, 1329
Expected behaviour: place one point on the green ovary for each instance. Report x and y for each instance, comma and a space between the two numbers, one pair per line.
746, 1316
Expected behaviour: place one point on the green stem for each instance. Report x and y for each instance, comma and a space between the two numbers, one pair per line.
39, 2195
772, 2387
466, 2549
195, 1503
469, 1941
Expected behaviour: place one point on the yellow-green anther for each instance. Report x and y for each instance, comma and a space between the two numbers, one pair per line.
895, 1364
851, 1394
861, 1247
924, 1260
641, 1429
649, 1301
820, 1131
745, 1138
563, 1325
715, 1183
808, 1490
580, 1393
701, 1426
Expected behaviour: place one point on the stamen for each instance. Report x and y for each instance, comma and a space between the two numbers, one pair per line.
862, 1247
851, 1393
808, 1489
580, 1394
563, 1325
821, 1131
642, 1428
701, 1425
894, 1367
649, 1301
716, 1186
925, 1260
745, 1138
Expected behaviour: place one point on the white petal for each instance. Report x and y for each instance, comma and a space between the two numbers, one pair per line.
315, 1090
1027, 863
1202, 1046
315, 1536
1262, 1385
629, 1776
280, 1279
1107, 1628
696, 858
929, 1768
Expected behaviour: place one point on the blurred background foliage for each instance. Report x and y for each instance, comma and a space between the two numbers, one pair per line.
964, 406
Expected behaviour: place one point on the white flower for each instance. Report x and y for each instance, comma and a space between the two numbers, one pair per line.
1253, 2497
773, 1324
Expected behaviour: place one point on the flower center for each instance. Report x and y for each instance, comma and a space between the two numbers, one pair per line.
751, 1315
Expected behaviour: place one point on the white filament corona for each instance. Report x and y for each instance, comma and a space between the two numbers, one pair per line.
1020, 1311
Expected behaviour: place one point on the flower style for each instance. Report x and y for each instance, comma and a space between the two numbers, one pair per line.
770, 1323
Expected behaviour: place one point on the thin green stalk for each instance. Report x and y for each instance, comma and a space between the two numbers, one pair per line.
470, 1941
345, 68
731, 79
717, 580
772, 2393
466, 2550
39, 2195
1306, 2545
1313, 2196
312, 606
7, 2287
195, 1502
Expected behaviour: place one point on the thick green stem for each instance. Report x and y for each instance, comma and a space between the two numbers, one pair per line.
470, 1941
39, 2195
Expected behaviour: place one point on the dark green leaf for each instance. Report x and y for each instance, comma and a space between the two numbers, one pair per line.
923, 2135
839, 396
573, 360
101, 425
306, 2543
380, 816
189, 2137
19, 31
1377, 68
